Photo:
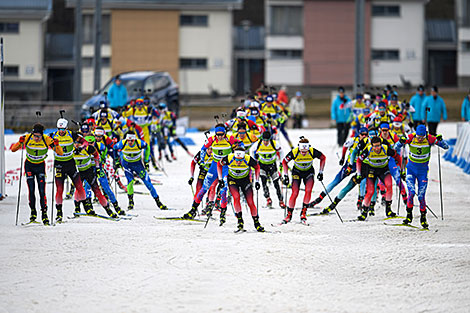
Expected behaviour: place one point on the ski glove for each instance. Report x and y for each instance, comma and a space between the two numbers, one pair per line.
285, 181
257, 185
147, 167
320, 176
22, 139
348, 170
403, 140
439, 137
190, 181
403, 175
56, 142
357, 178
341, 162
221, 184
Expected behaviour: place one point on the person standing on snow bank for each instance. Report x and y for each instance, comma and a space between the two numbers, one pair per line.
437, 110
297, 107
341, 115
117, 95
417, 168
466, 108
37, 144
417, 102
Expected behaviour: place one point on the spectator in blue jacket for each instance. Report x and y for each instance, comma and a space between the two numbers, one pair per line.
117, 94
437, 110
341, 115
417, 103
466, 108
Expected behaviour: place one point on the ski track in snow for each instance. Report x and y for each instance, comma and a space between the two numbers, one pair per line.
149, 265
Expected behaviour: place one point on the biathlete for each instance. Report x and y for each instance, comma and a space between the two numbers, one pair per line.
37, 145
303, 170
239, 164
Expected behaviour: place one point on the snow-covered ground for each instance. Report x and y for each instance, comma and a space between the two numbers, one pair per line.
149, 265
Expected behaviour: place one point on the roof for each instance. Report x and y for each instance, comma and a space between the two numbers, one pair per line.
25, 8
162, 4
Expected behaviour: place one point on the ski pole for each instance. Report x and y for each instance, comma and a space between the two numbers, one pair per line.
19, 188
331, 201
431, 211
52, 200
440, 182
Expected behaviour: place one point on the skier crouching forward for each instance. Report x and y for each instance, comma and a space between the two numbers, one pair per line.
130, 150
303, 157
238, 178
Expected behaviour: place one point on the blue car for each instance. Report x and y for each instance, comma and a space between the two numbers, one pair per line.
158, 86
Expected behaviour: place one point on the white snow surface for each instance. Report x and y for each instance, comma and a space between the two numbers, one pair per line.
148, 265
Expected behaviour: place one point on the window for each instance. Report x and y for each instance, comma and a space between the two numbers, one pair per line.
386, 10
193, 20
161, 82
465, 46
193, 63
88, 62
385, 55
11, 70
286, 20
89, 28
10, 28
286, 54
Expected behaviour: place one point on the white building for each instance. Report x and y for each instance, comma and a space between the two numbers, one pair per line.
22, 26
205, 52
463, 48
397, 42
284, 42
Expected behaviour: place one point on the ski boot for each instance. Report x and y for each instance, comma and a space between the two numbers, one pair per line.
167, 158
258, 226
423, 220
317, 200
77, 207
33, 215
331, 207
388, 209
222, 216
288, 217
118, 209
282, 204
240, 221
359, 202
363, 216
371, 208
303, 213
45, 220
409, 216
89, 207
208, 209
60, 214
69, 194
110, 212
160, 205
173, 157
269, 202
131, 202
192, 213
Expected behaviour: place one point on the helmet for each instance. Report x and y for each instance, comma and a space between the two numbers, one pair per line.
269, 99
162, 106
62, 123
384, 126
241, 113
85, 128
139, 101
90, 139
267, 135
421, 130
131, 136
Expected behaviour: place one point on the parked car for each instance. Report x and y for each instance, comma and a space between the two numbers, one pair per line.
158, 86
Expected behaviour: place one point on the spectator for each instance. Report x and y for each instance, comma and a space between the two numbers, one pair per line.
297, 106
340, 114
282, 96
417, 103
437, 110
117, 95
466, 108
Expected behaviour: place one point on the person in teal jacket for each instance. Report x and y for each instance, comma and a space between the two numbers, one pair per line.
437, 110
466, 108
417, 103
340, 114
117, 94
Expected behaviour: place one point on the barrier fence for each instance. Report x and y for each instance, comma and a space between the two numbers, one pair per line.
459, 153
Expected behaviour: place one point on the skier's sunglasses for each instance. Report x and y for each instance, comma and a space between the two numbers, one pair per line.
363, 134
219, 134
36, 136
420, 138
62, 129
242, 132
